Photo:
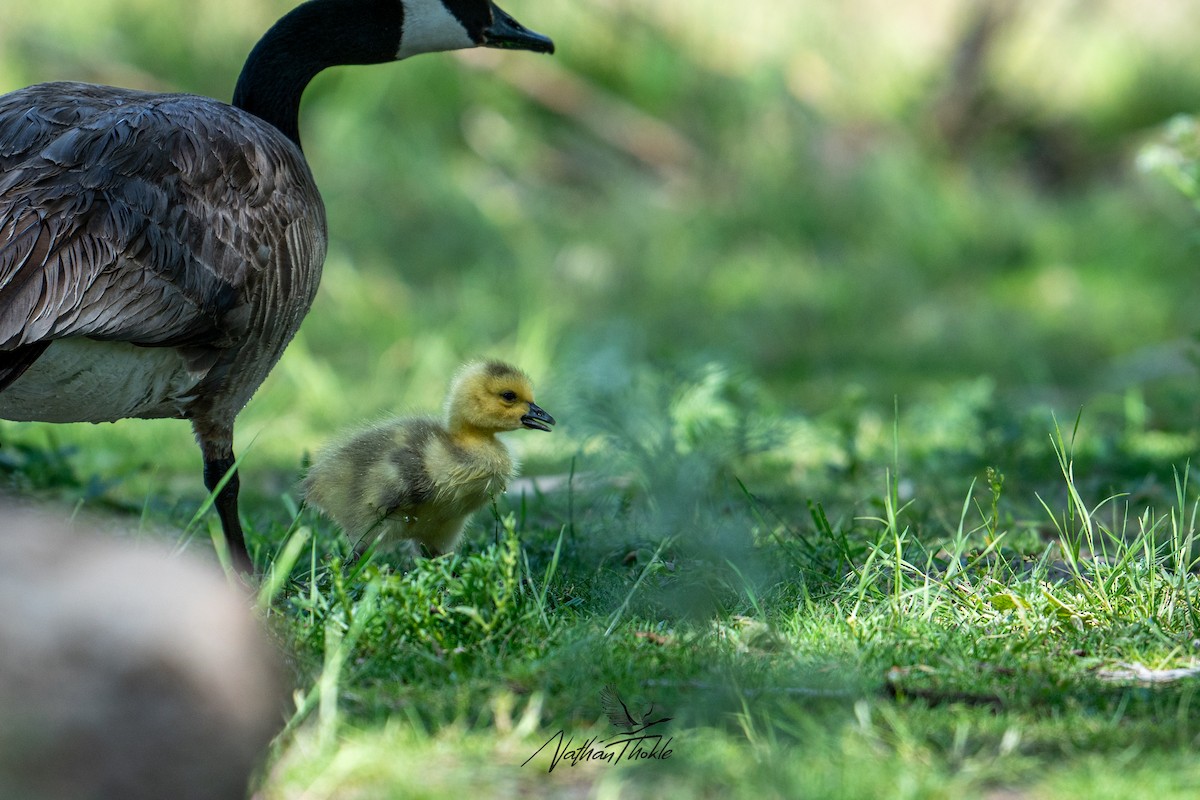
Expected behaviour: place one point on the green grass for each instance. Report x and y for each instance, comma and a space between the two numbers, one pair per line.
874, 465
872, 656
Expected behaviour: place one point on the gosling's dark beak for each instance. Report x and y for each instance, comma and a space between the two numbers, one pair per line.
537, 419
505, 32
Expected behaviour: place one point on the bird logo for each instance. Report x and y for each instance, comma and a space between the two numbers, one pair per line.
619, 715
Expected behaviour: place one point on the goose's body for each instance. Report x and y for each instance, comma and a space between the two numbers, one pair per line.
420, 478
159, 251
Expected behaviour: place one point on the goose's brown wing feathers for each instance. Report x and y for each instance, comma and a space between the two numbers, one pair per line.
145, 218
13, 363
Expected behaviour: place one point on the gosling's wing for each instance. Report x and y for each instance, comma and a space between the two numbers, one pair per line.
143, 218
410, 485
373, 472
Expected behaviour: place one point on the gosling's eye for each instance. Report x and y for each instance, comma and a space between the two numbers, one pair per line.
508, 396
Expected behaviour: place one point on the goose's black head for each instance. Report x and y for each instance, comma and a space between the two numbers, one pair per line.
329, 33
431, 25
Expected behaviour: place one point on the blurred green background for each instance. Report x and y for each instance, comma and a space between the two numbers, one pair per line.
848, 206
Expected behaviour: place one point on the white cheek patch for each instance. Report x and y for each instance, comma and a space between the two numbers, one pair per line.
429, 27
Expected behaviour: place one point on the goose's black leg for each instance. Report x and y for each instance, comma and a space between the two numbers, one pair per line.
227, 509
219, 460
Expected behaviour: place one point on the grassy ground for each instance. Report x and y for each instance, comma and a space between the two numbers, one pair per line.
874, 357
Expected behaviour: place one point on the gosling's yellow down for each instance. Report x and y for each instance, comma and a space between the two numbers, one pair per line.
419, 478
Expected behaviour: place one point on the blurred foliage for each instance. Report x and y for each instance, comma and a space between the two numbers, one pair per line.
1176, 156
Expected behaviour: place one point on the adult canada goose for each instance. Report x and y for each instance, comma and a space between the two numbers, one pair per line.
419, 478
158, 251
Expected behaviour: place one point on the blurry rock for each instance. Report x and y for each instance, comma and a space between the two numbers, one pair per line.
125, 671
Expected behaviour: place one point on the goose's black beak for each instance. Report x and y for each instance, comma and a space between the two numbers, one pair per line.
505, 32
537, 419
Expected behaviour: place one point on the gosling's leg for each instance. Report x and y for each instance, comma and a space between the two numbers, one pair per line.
217, 448
437, 541
428, 551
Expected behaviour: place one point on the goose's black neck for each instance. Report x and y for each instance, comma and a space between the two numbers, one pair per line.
313, 36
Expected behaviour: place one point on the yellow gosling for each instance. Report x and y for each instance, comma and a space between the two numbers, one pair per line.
420, 478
